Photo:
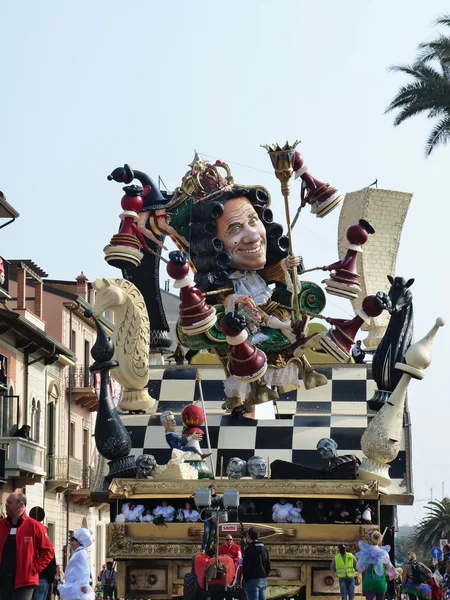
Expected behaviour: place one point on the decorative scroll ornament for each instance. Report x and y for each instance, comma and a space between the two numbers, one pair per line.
381, 440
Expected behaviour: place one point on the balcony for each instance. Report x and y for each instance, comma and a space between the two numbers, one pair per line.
82, 495
63, 473
24, 460
80, 382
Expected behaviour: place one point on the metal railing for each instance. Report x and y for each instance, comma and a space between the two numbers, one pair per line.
79, 377
64, 469
86, 478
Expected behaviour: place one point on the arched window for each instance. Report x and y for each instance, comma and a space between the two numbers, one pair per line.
37, 423
33, 419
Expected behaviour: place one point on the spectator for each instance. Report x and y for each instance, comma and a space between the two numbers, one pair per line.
25, 550
358, 353
256, 567
344, 565
58, 579
415, 578
78, 572
445, 559
109, 581
23, 432
46, 578
231, 549
99, 576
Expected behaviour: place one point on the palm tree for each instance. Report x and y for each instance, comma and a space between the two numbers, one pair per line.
429, 91
434, 526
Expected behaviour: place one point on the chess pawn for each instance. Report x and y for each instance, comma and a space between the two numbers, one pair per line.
247, 363
196, 316
344, 280
322, 197
338, 341
381, 440
124, 249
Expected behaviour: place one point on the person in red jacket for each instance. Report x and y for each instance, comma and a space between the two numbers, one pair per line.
231, 549
25, 550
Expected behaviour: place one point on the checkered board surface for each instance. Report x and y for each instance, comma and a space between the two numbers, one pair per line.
337, 410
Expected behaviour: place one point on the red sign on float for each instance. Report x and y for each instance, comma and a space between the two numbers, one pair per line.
229, 527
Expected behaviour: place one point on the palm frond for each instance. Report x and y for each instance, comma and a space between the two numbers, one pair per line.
438, 49
433, 526
440, 135
444, 20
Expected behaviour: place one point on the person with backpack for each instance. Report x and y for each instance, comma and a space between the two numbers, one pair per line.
416, 577
109, 581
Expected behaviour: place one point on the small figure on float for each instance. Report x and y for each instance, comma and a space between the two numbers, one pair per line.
281, 511
257, 467
164, 510
145, 464
185, 444
295, 514
344, 279
192, 416
236, 468
327, 448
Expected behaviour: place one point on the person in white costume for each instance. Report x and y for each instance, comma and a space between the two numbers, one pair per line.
147, 517
132, 512
281, 510
78, 571
190, 514
295, 514
163, 509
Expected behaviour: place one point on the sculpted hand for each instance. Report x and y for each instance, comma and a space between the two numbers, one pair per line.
292, 261
246, 301
197, 436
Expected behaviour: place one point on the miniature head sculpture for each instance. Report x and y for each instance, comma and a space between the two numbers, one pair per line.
168, 420
327, 448
145, 464
256, 467
236, 468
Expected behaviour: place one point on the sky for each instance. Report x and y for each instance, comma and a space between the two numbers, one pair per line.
87, 86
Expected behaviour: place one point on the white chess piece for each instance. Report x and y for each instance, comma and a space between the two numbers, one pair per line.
381, 440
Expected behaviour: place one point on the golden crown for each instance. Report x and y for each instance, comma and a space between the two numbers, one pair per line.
204, 181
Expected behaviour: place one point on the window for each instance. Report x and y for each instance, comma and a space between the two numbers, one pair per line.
51, 532
73, 341
85, 448
33, 420
87, 357
72, 439
37, 423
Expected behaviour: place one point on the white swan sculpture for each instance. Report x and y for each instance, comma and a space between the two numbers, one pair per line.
131, 340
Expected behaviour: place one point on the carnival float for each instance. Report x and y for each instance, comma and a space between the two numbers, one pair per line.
265, 398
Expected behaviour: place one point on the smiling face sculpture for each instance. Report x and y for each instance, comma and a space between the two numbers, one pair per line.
243, 234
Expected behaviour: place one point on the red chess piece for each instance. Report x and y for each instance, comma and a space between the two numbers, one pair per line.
344, 281
124, 249
196, 316
247, 363
322, 197
339, 340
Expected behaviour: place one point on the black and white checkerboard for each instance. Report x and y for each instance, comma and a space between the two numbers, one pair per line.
337, 410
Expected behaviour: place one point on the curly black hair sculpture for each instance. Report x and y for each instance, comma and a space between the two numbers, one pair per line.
206, 250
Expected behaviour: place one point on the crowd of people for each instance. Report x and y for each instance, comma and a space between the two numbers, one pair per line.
372, 567
283, 511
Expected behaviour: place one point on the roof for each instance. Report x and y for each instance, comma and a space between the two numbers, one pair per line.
27, 333
30, 266
6, 210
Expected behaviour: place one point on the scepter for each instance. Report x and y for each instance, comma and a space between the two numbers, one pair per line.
283, 163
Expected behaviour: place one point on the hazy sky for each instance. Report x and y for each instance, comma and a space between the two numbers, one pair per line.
87, 86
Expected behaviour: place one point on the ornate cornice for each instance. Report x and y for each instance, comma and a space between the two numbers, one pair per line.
122, 546
142, 488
